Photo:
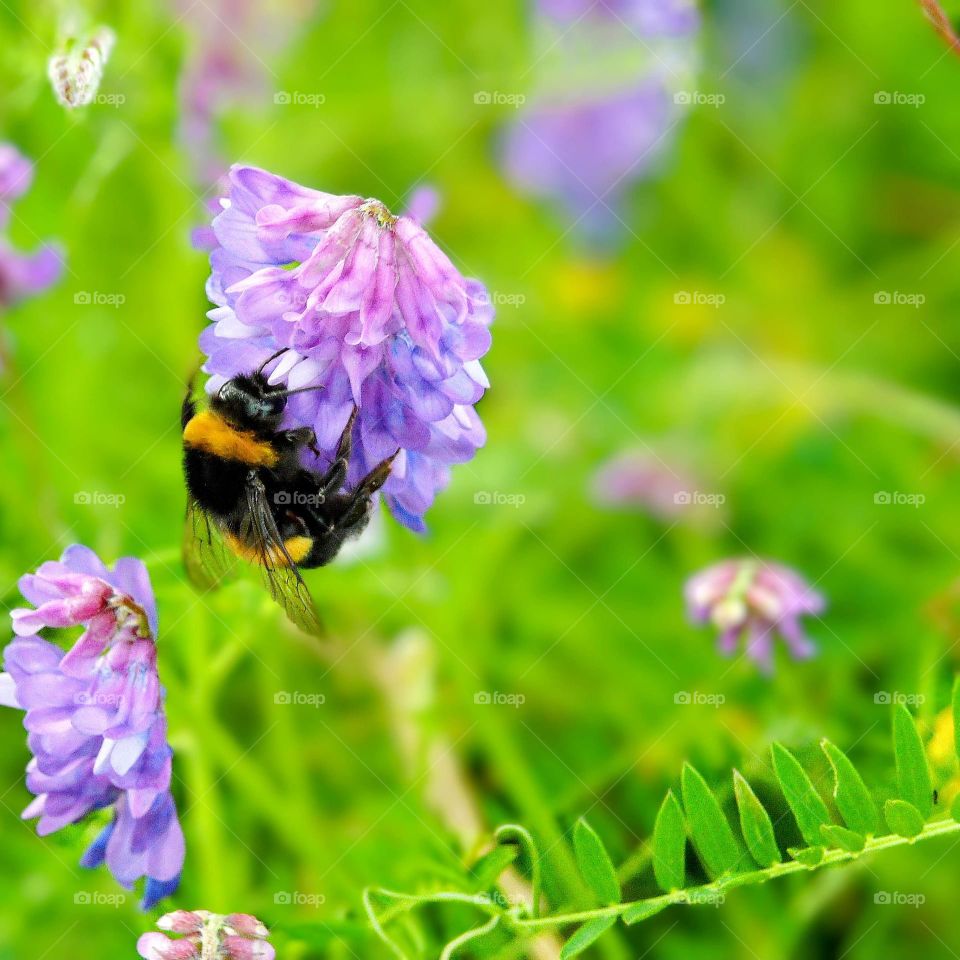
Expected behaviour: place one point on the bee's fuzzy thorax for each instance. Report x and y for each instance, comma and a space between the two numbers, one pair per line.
210, 432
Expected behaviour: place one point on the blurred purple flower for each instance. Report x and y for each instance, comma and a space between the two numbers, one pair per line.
642, 481
21, 274
237, 936
649, 17
603, 105
94, 715
369, 307
226, 66
755, 599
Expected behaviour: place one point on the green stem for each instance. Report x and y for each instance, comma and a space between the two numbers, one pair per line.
708, 891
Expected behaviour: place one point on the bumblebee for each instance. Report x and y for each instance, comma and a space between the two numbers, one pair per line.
250, 497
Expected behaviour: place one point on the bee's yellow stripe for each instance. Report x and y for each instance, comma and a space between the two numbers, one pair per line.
298, 548
212, 434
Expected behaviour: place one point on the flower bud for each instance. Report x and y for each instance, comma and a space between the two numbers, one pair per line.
77, 68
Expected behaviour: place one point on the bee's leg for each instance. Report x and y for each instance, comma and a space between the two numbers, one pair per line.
368, 486
304, 437
333, 479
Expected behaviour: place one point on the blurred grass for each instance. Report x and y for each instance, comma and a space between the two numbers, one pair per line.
799, 398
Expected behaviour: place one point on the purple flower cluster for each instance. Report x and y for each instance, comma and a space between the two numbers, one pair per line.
94, 715
754, 599
237, 936
368, 306
21, 274
603, 102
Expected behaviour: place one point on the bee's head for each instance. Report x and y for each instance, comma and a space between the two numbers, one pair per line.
251, 402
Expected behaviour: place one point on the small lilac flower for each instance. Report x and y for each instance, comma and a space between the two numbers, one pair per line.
367, 306
754, 598
237, 936
642, 481
94, 715
603, 102
21, 274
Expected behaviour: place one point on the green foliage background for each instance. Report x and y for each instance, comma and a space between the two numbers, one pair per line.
799, 398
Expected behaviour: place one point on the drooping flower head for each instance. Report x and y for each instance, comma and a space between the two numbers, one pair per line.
754, 599
603, 102
20, 274
370, 308
76, 68
94, 715
237, 936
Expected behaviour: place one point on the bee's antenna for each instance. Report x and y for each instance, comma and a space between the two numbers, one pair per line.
290, 393
273, 356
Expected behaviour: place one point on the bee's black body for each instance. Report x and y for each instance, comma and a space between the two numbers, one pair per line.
245, 479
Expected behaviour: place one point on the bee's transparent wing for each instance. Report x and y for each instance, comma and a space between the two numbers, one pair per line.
206, 557
279, 571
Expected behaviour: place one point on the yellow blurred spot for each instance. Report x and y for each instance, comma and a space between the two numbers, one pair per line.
585, 287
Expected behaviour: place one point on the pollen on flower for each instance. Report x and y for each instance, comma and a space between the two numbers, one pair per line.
379, 211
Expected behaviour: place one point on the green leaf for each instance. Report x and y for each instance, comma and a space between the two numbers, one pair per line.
709, 829
955, 807
808, 856
852, 797
595, 863
755, 824
669, 845
486, 870
645, 909
585, 936
903, 818
913, 775
843, 838
808, 808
